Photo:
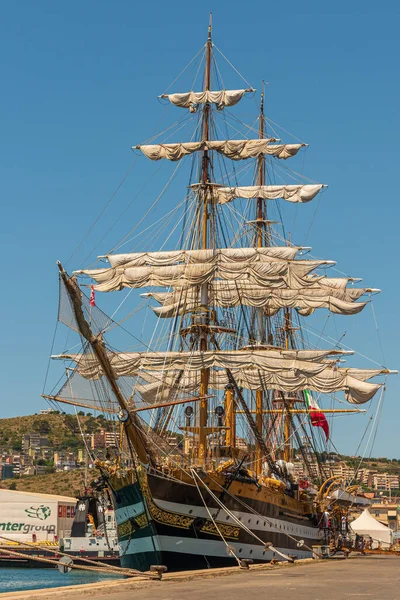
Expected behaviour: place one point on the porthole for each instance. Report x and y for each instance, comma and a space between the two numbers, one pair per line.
190, 511
258, 522
227, 518
249, 521
251, 551
240, 549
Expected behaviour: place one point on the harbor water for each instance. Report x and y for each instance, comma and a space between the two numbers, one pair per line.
16, 580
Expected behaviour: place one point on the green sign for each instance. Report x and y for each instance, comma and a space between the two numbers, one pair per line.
42, 512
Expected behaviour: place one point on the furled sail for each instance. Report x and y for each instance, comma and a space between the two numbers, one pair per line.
273, 267
328, 382
233, 149
192, 99
171, 257
230, 294
275, 360
267, 274
243, 149
289, 371
291, 193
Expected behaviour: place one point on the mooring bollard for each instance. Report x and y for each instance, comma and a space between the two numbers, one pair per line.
159, 569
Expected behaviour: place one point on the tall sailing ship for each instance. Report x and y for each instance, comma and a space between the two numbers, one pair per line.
215, 406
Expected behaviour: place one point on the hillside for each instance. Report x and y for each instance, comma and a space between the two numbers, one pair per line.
63, 483
62, 430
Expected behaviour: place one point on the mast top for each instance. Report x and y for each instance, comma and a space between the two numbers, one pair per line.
209, 28
262, 97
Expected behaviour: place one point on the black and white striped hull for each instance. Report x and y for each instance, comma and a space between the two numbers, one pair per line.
165, 522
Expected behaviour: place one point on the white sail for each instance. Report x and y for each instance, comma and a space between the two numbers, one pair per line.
124, 364
251, 369
243, 149
291, 193
233, 149
162, 386
211, 256
192, 99
228, 294
273, 273
170, 151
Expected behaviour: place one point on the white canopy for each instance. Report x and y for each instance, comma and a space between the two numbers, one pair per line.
365, 524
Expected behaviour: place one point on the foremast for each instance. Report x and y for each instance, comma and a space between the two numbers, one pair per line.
96, 342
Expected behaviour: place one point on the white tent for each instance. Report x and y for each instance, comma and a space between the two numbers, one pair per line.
366, 525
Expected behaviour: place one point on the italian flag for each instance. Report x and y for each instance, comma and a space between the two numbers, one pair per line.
317, 417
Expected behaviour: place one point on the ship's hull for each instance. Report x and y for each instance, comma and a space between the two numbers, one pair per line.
164, 522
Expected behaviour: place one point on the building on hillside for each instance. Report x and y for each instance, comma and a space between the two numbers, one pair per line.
362, 476
343, 471
111, 439
6, 471
34, 440
383, 481
98, 440
301, 471
16, 463
64, 461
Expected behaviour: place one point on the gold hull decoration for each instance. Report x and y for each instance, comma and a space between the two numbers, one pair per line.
166, 517
126, 528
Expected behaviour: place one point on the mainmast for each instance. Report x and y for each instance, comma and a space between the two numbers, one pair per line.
204, 190
260, 224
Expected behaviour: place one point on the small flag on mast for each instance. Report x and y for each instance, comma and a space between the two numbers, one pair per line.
92, 300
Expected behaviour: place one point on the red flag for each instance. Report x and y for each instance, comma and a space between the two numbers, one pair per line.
317, 417
92, 301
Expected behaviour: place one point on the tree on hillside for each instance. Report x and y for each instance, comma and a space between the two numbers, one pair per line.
91, 425
71, 422
42, 426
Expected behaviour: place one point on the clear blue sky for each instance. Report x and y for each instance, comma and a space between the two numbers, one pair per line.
79, 82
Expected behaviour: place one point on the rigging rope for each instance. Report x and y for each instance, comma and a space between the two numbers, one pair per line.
228, 547
267, 545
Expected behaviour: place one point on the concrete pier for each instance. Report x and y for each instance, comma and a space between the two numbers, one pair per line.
369, 577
